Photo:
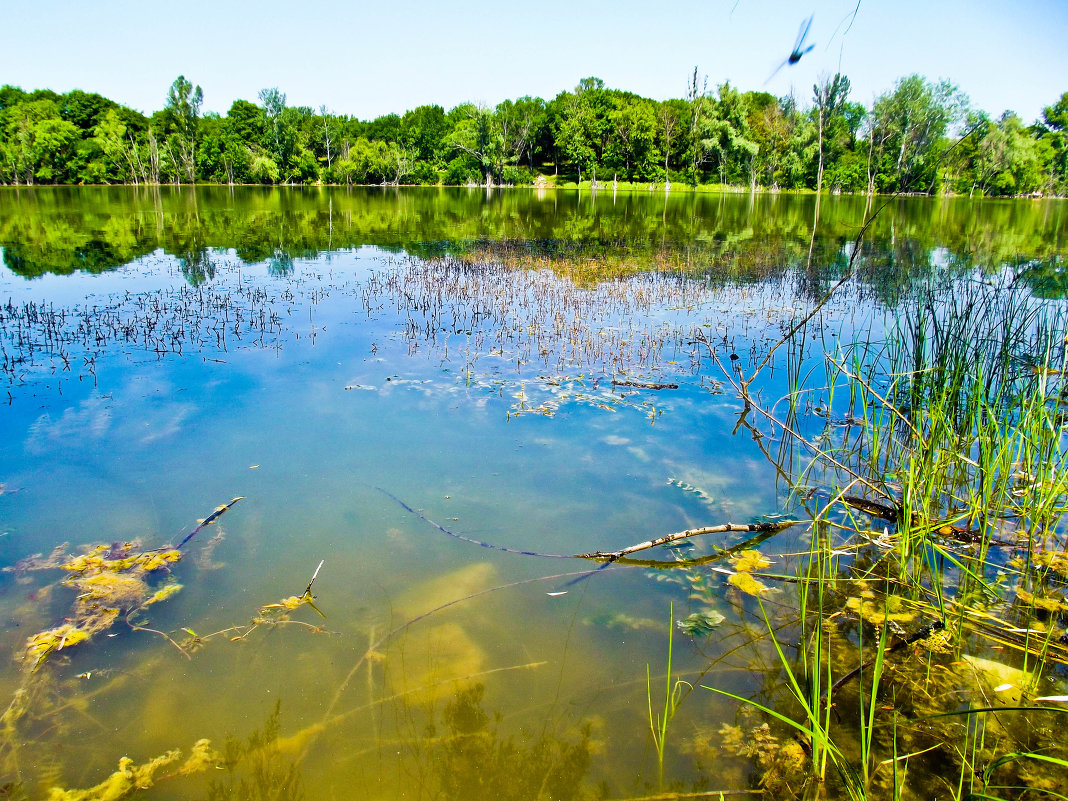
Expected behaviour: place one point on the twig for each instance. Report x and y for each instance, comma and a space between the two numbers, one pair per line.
923, 633
462, 538
315, 729
750, 528
887, 404
741, 387
850, 272
643, 385
328, 714
209, 520
164, 635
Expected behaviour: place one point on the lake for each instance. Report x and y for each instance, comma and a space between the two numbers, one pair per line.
429, 401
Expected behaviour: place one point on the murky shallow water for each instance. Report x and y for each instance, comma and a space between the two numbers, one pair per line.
333, 391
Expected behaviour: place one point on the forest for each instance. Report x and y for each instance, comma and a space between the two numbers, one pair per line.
917, 137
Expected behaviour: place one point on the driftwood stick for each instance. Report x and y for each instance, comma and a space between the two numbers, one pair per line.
643, 385
749, 528
209, 520
883, 511
471, 540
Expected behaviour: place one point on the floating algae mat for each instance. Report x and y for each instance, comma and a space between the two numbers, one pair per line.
437, 494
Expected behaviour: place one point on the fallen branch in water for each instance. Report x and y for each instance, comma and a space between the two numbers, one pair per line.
893, 514
209, 520
643, 385
470, 540
749, 528
922, 634
944, 529
612, 556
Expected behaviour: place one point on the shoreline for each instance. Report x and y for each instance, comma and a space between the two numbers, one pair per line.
620, 187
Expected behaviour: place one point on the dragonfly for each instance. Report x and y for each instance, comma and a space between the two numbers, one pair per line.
799, 48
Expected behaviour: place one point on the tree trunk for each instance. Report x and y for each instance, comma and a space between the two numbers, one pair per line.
819, 169
871, 147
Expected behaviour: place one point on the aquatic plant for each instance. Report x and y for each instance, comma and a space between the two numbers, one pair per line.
673, 692
110, 581
130, 777
952, 428
471, 758
255, 769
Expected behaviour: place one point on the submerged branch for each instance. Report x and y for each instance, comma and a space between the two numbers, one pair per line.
763, 530
643, 385
892, 514
471, 540
209, 520
743, 393
328, 715
922, 634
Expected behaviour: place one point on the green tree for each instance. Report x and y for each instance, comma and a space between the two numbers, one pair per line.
632, 144
301, 134
478, 136
278, 138
583, 126
182, 112
38, 142
1009, 159
244, 136
830, 98
248, 123
520, 122
10, 96
725, 135
423, 131
85, 109
910, 124
263, 168
110, 135
52, 145
1055, 134
670, 116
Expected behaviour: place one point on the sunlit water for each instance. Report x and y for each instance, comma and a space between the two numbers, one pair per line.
357, 400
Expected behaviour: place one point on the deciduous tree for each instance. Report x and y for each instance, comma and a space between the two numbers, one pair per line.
183, 110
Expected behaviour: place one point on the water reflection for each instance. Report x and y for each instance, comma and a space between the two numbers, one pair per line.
63, 229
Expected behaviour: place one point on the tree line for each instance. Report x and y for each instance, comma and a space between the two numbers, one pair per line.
919, 136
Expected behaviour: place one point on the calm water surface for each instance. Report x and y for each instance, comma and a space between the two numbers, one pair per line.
340, 359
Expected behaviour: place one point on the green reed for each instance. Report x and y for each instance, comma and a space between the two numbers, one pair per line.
951, 425
673, 694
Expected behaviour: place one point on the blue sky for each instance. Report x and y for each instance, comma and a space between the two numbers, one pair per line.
367, 59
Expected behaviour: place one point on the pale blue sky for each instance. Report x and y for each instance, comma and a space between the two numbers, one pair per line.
368, 59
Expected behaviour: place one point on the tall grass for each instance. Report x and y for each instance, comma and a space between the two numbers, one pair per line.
673, 693
951, 428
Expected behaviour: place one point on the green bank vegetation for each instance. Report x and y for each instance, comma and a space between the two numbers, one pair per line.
917, 136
